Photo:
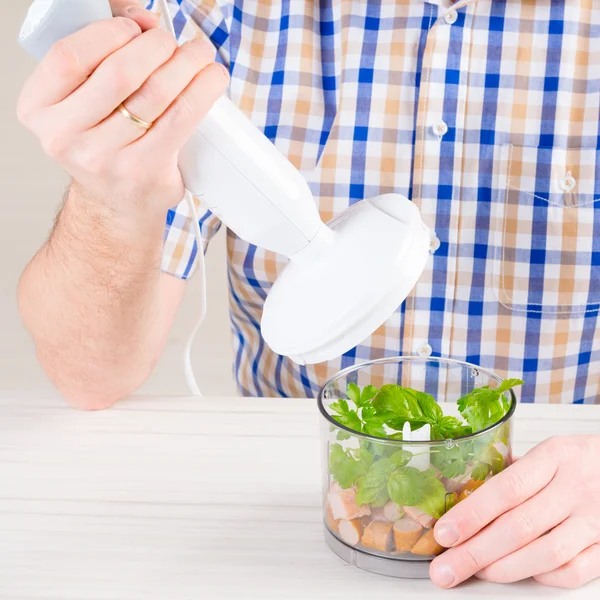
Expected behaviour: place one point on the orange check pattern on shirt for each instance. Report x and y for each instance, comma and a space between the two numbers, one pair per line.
483, 112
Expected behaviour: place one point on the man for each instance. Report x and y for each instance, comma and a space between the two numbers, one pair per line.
484, 113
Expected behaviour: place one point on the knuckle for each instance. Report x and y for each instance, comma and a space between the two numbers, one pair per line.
200, 54
513, 485
576, 577
122, 27
523, 525
63, 58
155, 92
120, 74
497, 573
557, 554
474, 519
220, 71
164, 42
54, 145
593, 526
570, 577
183, 109
219, 82
557, 448
91, 160
468, 561
589, 488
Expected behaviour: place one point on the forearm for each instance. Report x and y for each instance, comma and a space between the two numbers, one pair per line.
92, 302
94, 298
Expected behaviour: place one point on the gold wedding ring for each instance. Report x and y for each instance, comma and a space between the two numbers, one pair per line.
135, 120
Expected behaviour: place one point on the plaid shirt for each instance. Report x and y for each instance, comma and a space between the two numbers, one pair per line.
483, 112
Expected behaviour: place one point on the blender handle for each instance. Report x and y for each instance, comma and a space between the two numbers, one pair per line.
233, 169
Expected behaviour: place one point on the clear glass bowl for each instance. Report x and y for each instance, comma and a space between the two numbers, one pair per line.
378, 534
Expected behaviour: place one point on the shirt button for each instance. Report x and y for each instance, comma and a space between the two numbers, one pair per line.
451, 17
425, 350
440, 129
434, 244
567, 183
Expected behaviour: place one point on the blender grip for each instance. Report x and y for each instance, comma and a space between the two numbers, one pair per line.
233, 169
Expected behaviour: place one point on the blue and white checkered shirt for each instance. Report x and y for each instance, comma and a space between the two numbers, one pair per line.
484, 113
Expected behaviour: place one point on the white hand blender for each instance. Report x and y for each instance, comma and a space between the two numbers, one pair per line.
344, 279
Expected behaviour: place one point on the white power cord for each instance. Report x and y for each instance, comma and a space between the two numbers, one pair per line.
187, 352
166, 15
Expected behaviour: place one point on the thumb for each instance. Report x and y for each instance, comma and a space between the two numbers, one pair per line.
132, 9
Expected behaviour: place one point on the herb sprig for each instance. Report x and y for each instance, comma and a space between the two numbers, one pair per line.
381, 473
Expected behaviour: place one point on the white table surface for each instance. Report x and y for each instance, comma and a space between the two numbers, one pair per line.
185, 498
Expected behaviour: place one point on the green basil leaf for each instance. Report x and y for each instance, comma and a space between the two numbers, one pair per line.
489, 455
392, 398
480, 471
450, 461
346, 469
382, 499
404, 486
400, 459
412, 403
433, 501
363, 456
449, 428
430, 409
374, 429
397, 424
374, 483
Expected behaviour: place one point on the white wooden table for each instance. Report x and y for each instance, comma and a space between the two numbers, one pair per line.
184, 498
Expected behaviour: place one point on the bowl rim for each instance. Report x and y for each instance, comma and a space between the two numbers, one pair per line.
430, 359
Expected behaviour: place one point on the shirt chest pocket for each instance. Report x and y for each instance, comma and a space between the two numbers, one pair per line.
546, 230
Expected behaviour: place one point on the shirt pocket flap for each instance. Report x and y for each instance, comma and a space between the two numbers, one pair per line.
564, 177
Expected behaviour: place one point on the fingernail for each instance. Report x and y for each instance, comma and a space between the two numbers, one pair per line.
199, 41
138, 11
442, 575
446, 534
132, 25
224, 69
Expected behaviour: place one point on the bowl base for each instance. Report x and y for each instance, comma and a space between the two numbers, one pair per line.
406, 569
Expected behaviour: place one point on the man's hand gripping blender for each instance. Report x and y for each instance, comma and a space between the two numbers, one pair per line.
239, 175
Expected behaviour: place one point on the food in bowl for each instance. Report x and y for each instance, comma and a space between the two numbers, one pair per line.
397, 461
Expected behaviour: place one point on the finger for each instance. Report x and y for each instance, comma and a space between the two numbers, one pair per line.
174, 128
500, 494
543, 555
119, 76
73, 59
581, 570
506, 535
155, 96
133, 9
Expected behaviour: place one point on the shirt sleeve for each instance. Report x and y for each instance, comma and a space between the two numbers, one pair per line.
180, 248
